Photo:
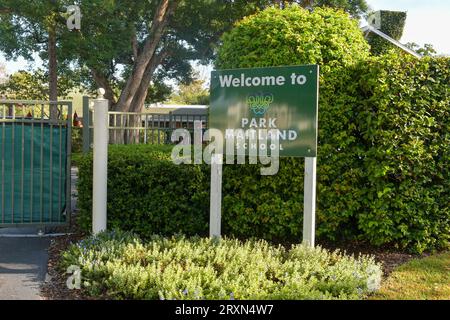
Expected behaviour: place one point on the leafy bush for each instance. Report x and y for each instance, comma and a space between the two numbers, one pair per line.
77, 140
403, 142
293, 36
147, 193
383, 165
124, 267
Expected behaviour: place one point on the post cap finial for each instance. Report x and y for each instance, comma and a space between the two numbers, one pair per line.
101, 92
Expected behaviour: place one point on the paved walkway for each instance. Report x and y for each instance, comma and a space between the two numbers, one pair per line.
24, 258
23, 266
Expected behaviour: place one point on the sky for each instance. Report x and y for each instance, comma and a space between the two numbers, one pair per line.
427, 22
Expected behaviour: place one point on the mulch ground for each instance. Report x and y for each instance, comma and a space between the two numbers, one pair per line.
388, 257
56, 289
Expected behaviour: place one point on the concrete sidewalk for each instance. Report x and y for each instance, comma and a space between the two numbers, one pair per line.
24, 258
23, 266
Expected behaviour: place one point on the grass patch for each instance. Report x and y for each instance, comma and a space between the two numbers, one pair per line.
420, 279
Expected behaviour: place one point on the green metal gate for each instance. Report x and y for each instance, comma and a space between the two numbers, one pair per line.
35, 144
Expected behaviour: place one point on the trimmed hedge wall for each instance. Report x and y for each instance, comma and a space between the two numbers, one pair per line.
384, 155
147, 193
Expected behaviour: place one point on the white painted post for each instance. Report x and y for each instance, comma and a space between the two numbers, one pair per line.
216, 196
100, 178
309, 202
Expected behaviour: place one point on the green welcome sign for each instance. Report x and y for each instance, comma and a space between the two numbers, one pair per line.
278, 98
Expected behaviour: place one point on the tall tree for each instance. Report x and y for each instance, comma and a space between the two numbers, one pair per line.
149, 40
194, 93
28, 27
25, 85
125, 44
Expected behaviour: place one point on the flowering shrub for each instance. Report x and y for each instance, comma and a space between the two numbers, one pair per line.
122, 266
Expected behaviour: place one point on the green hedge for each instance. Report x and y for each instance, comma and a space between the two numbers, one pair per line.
383, 166
403, 128
293, 36
147, 193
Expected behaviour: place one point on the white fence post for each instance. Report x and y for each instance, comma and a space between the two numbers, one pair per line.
309, 202
216, 196
99, 198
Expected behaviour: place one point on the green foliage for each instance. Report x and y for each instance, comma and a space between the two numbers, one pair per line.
392, 24
24, 85
402, 123
293, 36
427, 50
383, 165
77, 139
194, 93
147, 193
158, 92
122, 266
356, 8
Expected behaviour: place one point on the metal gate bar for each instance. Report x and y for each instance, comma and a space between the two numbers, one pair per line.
35, 163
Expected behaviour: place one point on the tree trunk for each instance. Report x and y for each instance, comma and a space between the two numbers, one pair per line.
102, 82
138, 101
132, 136
53, 70
159, 23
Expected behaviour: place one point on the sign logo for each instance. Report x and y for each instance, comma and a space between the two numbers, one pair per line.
260, 102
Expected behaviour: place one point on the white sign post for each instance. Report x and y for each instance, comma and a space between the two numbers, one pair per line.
309, 199
309, 202
100, 176
216, 196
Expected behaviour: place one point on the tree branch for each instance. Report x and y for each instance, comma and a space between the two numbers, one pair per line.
5, 10
102, 82
134, 46
141, 94
159, 23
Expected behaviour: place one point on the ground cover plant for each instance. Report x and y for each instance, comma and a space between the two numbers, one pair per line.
119, 265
